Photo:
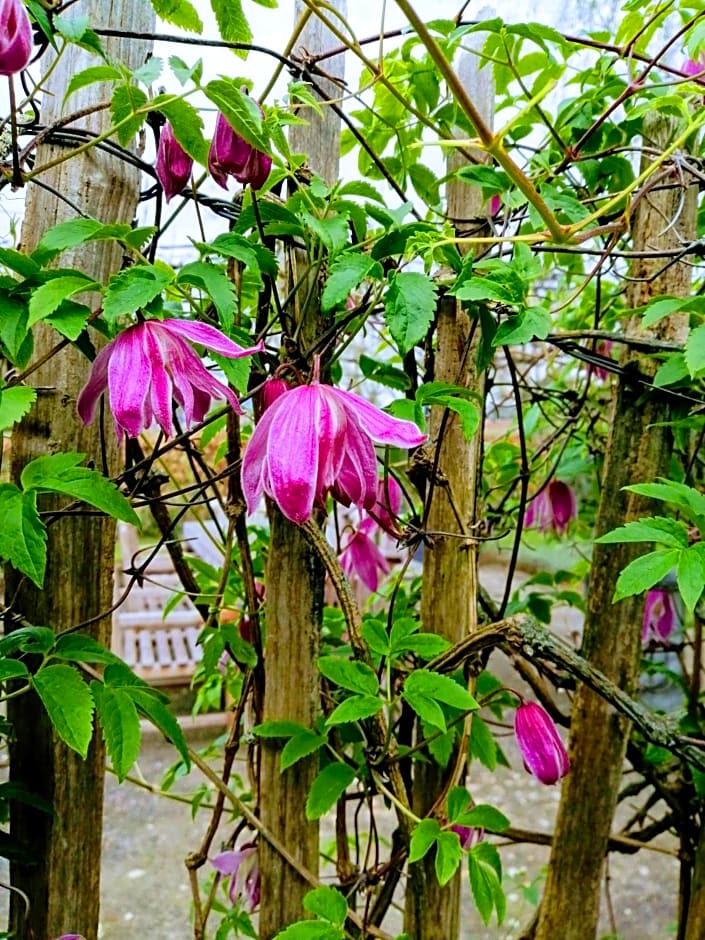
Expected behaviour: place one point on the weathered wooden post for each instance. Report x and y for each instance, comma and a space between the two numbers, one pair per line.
637, 451
449, 594
295, 593
63, 886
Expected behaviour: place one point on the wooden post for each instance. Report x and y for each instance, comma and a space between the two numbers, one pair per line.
63, 886
449, 594
295, 599
637, 451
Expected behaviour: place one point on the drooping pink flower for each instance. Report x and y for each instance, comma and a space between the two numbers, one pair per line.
173, 165
231, 155
242, 867
553, 509
315, 440
660, 617
362, 556
691, 67
540, 744
386, 509
151, 363
16, 40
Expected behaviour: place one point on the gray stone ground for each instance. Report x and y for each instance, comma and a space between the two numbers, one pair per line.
145, 889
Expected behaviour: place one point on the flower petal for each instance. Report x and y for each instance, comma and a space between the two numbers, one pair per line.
294, 451
209, 337
129, 379
160, 391
95, 386
253, 462
382, 428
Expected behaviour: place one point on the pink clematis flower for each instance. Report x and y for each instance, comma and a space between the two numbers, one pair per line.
468, 835
660, 616
16, 40
361, 556
553, 509
173, 165
540, 744
242, 867
151, 363
691, 67
231, 155
314, 440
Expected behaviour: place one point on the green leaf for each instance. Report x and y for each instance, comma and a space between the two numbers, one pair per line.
121, 726
332, 230
127, 100
47, 298
69, 704
355, 708
685, 497
695, 350
535, 322
483, 816
691, 575
354, 676
38, 640
643, 573
79, 648
455, 398
76, 29
310, 930
14, 403
240, 110
409, 308
426, 708
448, 855
91, 75
328, 904
660, 308
459, 801
232, 23
423, 645
19, 262
12, 669
327, 788
59, 473
214, 282
70, 319
187, 125
300, 745
150, 71
346, 272
482, 744
672, 370
162, 717
669, 532
22, 533
375, 635
184, 72
180, 13
486, 882
73, 233
133, 288
442, 688
423, 837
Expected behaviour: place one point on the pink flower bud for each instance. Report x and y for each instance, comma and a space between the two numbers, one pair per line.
271, 390
230, 155
539, 742
16, 39
553, 508
468, 835
660, 618
173, 163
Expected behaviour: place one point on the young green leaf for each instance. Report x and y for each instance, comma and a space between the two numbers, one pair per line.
38, 640
354, 708
161, 716
669, 532
22, 533
425, 834
448, 855
409, 308
344, 276
240, 111
187, 125
180, 13
327, 904
69, 704
483, 816
134, 288
120, 724
127, 100
354, 676
691, 575
213, 281
644, 572
300, 745
232, 22
47, 298
442, 688
79, 648
486, 882
327, 788
14, 403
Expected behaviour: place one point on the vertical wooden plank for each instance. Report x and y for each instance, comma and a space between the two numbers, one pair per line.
295, 595
449, 594
64, 885
638, 450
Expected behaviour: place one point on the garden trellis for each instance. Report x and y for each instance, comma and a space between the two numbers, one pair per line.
563, 225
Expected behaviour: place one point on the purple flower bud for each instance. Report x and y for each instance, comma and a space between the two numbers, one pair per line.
271, 390
16, 39
469, 836
539, 742
660, 618
173, 163
230, 155
691, 67
553, 509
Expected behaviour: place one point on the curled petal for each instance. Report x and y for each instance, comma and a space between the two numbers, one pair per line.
210, 337
129, 380
96, 384
381, 427
254, 461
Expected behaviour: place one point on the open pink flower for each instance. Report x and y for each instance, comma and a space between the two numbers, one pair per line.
174, 165
242, 867
16, 40
314, 440
362, 556
540, 744
151, 363
231, 155
660, 617
553, 509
